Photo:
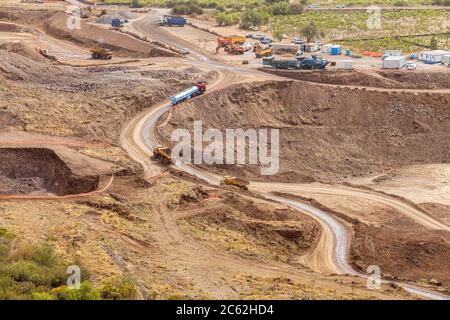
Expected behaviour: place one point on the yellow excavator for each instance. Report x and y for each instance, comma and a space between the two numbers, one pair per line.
162, 154
236, 182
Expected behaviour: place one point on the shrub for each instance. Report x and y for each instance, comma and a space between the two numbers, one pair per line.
86, 292
119, 288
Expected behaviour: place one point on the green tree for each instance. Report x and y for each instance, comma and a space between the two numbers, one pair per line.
433, 43
310, 31
136, 4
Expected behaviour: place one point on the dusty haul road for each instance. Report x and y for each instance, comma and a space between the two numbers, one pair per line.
331, 254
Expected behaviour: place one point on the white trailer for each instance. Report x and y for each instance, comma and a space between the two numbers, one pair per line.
393, 62
431, 57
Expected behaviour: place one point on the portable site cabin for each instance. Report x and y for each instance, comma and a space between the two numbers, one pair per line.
446, 59
311, 47
326, 48
393, 62
434, 56
336, 50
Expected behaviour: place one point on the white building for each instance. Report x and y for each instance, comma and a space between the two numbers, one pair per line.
393, 62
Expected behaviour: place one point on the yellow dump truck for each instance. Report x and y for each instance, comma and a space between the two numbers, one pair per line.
261, 53
162, 154
237, 182
101, 53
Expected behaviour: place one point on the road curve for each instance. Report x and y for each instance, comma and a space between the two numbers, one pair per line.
138, 139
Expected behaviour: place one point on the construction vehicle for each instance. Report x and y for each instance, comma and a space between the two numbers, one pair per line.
263, 52
162, 154
236, 40
230, 46
198, 89
45, 54
314, 62
236, 182
101, 53
116, 23
169, 20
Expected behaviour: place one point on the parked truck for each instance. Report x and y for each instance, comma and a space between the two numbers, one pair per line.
169, 20
198, 89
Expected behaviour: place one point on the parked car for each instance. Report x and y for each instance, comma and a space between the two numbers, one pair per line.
258, 36
184, 51
254, 28
340, 6
312, 6
297, 40
249, 36
266, 40
410, 65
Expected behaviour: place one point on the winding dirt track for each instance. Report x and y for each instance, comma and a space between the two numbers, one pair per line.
331, 254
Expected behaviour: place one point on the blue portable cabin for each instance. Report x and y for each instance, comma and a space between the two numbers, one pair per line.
336, 50
184, 95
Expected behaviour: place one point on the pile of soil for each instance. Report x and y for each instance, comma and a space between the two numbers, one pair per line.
40, 171
326, 133
381, 79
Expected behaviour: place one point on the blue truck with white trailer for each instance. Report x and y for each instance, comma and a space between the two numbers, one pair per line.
169, 20
187, 94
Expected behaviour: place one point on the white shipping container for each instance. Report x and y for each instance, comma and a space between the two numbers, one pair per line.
446, 59
393, 62
326, 48
346, 64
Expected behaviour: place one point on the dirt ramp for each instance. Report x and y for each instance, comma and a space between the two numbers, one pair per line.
40, 171
90, 35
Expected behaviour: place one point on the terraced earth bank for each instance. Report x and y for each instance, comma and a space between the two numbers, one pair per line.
326, 134
40, 171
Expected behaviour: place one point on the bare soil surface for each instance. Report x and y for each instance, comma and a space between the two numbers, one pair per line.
326, 133
403, 79
92, 102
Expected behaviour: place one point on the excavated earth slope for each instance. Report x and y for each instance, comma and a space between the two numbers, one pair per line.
40, 171
327, 133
